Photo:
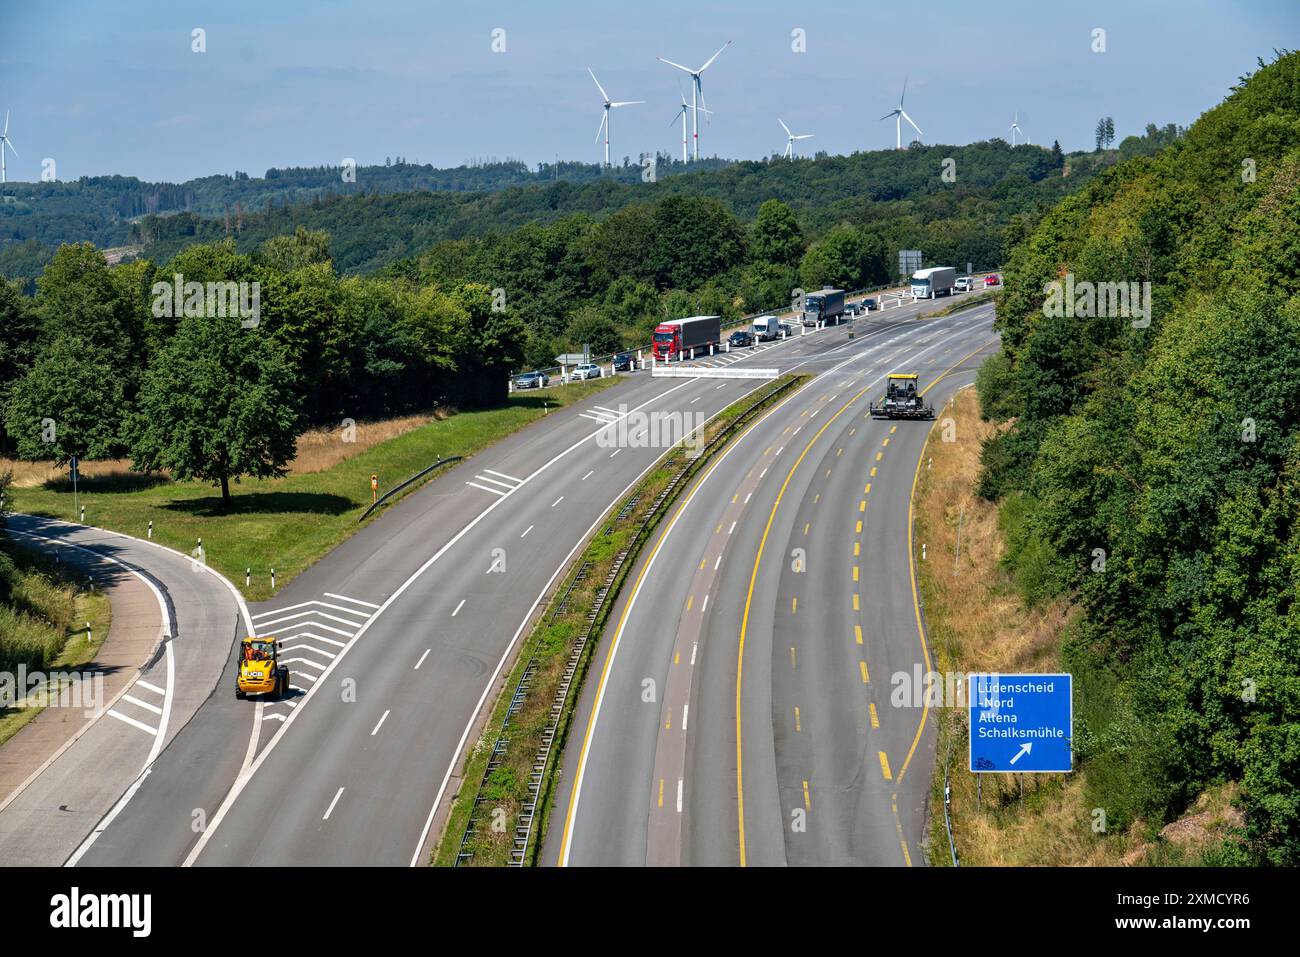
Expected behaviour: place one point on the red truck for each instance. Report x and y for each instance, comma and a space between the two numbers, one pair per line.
675, 339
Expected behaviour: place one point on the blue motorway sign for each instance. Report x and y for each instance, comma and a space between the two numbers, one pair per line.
1021, 723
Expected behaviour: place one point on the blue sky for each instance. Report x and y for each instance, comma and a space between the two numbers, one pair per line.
115, 88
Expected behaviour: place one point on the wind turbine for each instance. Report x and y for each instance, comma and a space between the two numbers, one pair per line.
5, 142
682, 113
697, 93
899, 114
790, 138
609, 105
1015, 130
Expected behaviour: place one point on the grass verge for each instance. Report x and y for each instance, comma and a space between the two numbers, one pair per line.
285, 523
977, 620
43, 623
493, 798
966, 302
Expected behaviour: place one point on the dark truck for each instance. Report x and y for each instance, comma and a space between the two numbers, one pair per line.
825, 306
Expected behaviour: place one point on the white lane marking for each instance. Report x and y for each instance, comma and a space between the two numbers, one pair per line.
382, 719
330, 809
526, 531
779, 451
717, 563
141, 683
276, 611
314, 651
494, 491
762, 473
796, 432
503, 475
305, 677
313, 614
143, 704
614, 453
610, 411
357, 601
596, 418
704, 605
587, 476
272, 717
679, 795
686, 713
308, 634
458, 608
557, 501
505, 485
747, 495
694, 647
694, 400
305, 661
422, 657
723, 386
132, 722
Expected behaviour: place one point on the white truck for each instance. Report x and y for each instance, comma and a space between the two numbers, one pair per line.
767, 328
933, 282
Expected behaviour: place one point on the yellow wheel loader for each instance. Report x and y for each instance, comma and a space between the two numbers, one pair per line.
260, 671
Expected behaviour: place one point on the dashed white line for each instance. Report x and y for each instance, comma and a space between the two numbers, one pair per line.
382, 718
694, 647
694, 400
716, 564
614, 453
587, 476
679, 795
526, 531
143, 704
762, 473
141, 683
422, 657
747, 496
330, 809
132, 722
686, 712
458, 608
557, 501
705, 604
732, 529
357, 601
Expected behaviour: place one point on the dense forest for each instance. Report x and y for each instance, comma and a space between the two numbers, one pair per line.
1152, 469
392, 213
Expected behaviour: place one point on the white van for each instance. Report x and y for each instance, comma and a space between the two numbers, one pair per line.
767, 328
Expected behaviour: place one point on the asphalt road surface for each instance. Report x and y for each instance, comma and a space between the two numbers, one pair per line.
769, 620
399, 636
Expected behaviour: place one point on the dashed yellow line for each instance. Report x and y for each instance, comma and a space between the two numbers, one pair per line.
677, 657
879, 456
857, 633
875, 719
792, 658
857, 549
866, 490
873, 475
807, 799
661, 792
866, 675
794, 606
806, 526
886, 442
797, 725
884, 766
690, 600
856, 599
855, 572
858, 529
893, 429
862, 506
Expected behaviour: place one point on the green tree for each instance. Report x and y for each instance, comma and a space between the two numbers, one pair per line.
69, 403
776, 237
218, 403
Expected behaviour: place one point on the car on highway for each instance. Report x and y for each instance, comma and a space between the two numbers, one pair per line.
624, 362
787, 329
992, 280
964, 284
588, 370
869, 303
532, 380
741, 338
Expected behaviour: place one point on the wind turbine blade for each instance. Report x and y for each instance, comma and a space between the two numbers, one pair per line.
784, 127
904, 96
888, 115
627, 103
678, 65
6, 132
914, 126
710, 60
600, 129
10, 143
805, 136
598, 86
703, 106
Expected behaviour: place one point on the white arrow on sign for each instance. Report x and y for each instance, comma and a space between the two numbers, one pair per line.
1024, 749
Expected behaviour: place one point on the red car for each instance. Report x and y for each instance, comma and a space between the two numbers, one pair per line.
992, 280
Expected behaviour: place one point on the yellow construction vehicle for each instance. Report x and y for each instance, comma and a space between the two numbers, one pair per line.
260, 671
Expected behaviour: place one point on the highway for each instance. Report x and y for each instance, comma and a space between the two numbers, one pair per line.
768, 619
401, 634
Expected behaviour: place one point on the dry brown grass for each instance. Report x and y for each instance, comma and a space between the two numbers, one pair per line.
977, 622
318, 450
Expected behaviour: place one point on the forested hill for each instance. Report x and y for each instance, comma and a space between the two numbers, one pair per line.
1152, 472
372, 225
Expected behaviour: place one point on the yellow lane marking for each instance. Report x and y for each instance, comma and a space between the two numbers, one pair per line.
807, 801
898, 823
855, 572
868, 488
884, 766
817, 498
806, 526
857, 632
858, 530
797, 725
886, 442
677, 657
866, 675
794, 605
873, 475
875, 719
879, 456
744, 625
862, 506
855, 601
893, 429
690, 600
661, 792
792, 657
857, 549
701, 562
668, 722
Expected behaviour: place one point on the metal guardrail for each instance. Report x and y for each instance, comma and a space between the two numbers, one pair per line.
414, 478
596, 618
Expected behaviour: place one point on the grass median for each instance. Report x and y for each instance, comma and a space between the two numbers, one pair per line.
285, 523
493, 799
